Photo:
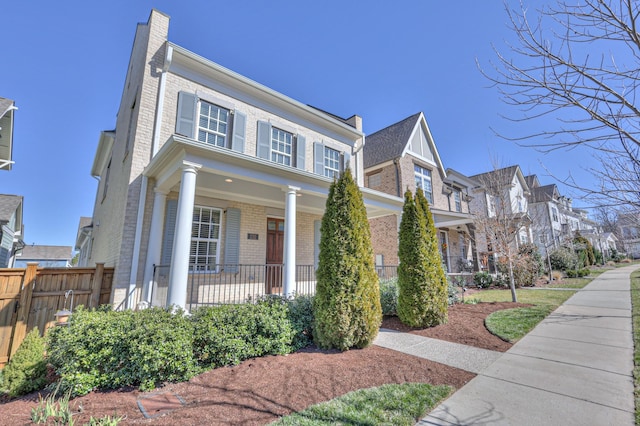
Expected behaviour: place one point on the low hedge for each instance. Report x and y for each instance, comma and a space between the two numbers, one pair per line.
107, 350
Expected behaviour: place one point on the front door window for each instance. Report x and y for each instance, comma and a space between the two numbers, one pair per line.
275, 251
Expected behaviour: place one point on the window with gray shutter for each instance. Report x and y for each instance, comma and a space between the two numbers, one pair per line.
185, 122
232, 241
239, 126
301, 146
264, 140
318, 158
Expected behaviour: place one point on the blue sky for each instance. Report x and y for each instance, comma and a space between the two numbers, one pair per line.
64, 64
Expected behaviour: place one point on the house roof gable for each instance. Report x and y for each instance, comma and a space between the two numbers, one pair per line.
393, 142
10, 205
46, 253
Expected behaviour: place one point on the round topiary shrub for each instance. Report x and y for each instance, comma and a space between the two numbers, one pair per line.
483, 279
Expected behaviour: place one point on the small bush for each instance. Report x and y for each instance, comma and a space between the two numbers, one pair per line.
107, 349
563, 258
389, 296
584, 272
229, 334
571, 273
301, 317
27, 370
453, 296
483, 279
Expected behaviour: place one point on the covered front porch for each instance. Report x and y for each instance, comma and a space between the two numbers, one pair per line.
225, 226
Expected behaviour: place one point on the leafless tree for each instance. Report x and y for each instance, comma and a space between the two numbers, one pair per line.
578, 62
500, 218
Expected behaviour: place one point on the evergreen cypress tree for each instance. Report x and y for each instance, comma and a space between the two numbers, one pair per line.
422, 297
346, 307
437, 286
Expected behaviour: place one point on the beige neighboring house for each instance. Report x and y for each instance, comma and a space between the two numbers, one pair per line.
629, 228
404, 156
7, 110
212, 182
11, 228
45, 256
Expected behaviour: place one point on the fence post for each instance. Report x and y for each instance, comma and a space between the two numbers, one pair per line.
96, 286
28, 282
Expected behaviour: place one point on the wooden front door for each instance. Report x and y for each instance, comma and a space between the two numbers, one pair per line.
275, 250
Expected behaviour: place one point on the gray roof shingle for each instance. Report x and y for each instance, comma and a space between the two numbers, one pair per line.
496, 177
46, 253
387, 144
8, 206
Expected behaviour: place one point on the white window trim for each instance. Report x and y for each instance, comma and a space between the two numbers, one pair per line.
290, 155
336, 171
430, 194
227, 135
218, 240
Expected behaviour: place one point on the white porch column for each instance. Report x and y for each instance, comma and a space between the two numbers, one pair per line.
154, 247
179, 275
289, 273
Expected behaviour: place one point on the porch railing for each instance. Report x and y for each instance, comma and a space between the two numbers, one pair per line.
232, 283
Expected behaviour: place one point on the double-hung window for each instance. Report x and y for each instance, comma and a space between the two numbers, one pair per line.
423, 180
213, 123
331, 162
281, 146
457, 199
205, 238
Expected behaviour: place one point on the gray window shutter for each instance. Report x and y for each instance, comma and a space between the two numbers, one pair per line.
301, 146
264, 140
232, 241
186, 120
318, 158
346, 158
316, 242
171, 211
239, 124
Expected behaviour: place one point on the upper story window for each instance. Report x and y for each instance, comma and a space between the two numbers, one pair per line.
423, 180
457, 199
554, 214
281, 146
210, 123
205, 238
331, 162
213, 124
375, 180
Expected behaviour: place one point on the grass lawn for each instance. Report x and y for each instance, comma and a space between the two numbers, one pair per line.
571, 283
512, 324
635, 302
392, 404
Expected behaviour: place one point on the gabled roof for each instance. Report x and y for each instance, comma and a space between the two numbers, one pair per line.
532, 181
392, 142
542, 194
84, 230
8, 206
502, 177
34, 252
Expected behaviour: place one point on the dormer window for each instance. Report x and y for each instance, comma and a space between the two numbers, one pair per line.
457, 199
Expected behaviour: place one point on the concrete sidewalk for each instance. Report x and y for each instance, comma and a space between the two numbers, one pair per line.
574, 368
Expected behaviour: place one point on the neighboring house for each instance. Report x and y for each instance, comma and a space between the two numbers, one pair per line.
11, 228
84, 241
7, 108
608, 244
629, 225
45, 256
211, 176
500, 201
544, 210
404, 156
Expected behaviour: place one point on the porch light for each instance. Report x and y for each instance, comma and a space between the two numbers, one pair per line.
63, 315
228, 180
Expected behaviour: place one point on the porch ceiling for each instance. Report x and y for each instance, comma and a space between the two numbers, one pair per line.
447, 219
253, 180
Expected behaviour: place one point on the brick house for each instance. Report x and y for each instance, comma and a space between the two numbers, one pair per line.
211, 182
403, 156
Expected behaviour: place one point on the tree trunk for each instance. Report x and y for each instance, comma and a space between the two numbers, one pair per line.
512, 283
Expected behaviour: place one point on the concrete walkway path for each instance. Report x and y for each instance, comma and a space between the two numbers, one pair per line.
574, 368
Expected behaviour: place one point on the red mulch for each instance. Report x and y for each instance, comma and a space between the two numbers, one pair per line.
260, 390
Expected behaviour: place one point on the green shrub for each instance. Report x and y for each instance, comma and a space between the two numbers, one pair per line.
27, 370
107, 349
563, 258
346, 308
229, 334
389, 296
453, 296
571, 273
301, 317
483, 279
584, 272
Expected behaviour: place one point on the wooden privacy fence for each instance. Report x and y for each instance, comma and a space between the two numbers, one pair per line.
30, 297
